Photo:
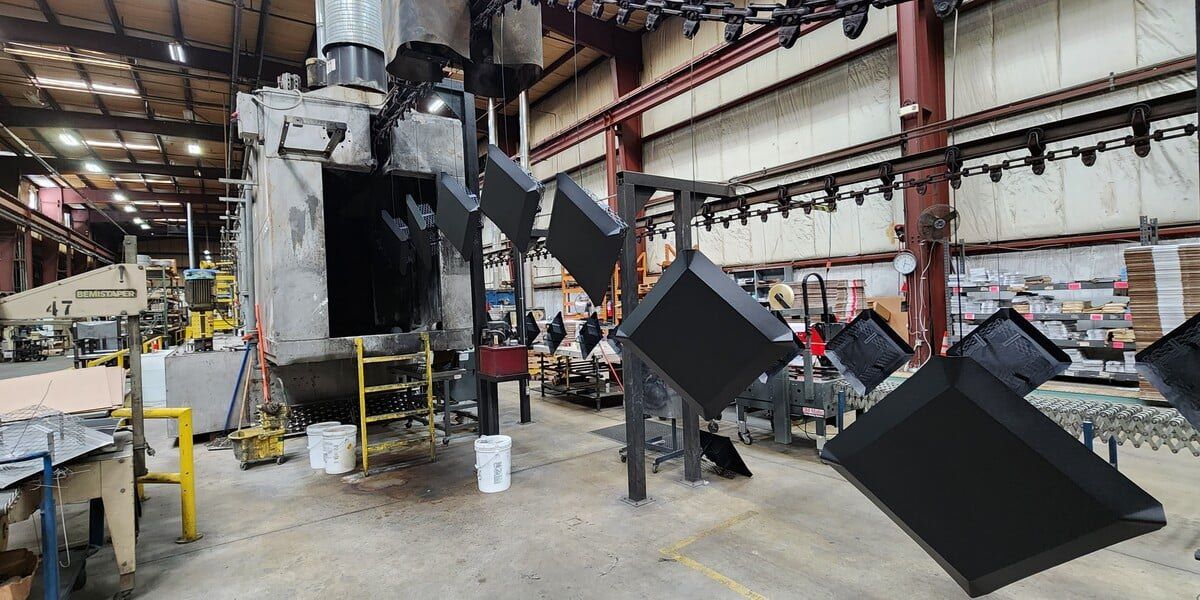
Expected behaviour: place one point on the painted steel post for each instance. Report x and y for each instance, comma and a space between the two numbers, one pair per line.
1089, 434
49, 523
841, 409
1112, 450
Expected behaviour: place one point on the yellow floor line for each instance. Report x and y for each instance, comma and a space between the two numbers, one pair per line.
674, 552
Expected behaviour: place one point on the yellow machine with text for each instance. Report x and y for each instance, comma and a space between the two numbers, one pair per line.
225, 316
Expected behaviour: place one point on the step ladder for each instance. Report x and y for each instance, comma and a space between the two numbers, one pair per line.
428, 434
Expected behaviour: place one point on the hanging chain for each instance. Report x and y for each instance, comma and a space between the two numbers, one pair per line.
787, 16
828, 202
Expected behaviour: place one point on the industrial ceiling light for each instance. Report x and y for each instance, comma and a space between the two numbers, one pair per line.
92, 167
1169, 364
119, 145
129, 208
436, 104
556, 332
176, 51
510, 198
990, 487
740, 341
584, 237
75, 85
68, 139
52, 54
194, 148
145, 226
867, 351
119, 196
457, 214
589, 335
424, 233
113, 89
138, 221
1014, 351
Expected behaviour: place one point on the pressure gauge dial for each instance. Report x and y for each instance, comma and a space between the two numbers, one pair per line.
905, 262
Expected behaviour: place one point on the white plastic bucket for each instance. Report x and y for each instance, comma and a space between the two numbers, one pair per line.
316, 451
493, 463
337, 444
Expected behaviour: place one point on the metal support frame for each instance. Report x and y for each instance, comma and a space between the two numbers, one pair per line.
633, 190
462, 104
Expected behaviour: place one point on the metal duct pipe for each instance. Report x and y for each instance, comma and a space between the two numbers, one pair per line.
320, 29
191, 239
358, 22
353, 43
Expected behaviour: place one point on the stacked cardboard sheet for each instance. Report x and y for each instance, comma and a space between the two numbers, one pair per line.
1164, 291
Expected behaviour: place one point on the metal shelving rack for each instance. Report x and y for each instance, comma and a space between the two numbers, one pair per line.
756, 281
165, 316
582, 378
1103, 320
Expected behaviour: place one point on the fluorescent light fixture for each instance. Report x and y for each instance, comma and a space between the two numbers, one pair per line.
138, 221
119, 145
77, 206
194, 148
51, 54
141, 180
92, 167
62, 83
130, 208
145, 202
145, 226
113, 89
68, 139
119, 196
7, 153
76, 85
436, 104
176, 50
42, 181
163, 203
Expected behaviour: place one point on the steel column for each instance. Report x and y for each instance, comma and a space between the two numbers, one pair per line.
686, 205
920, 51
136, 406
631, 366
522, 293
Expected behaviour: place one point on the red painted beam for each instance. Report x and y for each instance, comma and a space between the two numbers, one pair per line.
922, 65
605, 37
707, 67
20, 214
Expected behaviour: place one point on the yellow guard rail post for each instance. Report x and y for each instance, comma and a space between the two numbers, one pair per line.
186, 477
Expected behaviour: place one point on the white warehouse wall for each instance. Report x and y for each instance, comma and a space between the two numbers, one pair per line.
1008, 50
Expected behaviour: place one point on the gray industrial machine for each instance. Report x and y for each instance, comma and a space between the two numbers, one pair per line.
339, 193
330, 254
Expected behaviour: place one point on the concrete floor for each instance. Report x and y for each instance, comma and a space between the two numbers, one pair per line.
795, 530
36, 367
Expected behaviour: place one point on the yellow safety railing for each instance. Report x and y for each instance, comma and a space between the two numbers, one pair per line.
186, 477
121, 355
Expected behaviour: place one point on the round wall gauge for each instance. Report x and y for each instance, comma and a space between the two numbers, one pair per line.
905, 262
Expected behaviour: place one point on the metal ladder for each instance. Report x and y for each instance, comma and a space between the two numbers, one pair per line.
426, 413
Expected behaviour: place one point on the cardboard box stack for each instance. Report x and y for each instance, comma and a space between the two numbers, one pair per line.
1164, 291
